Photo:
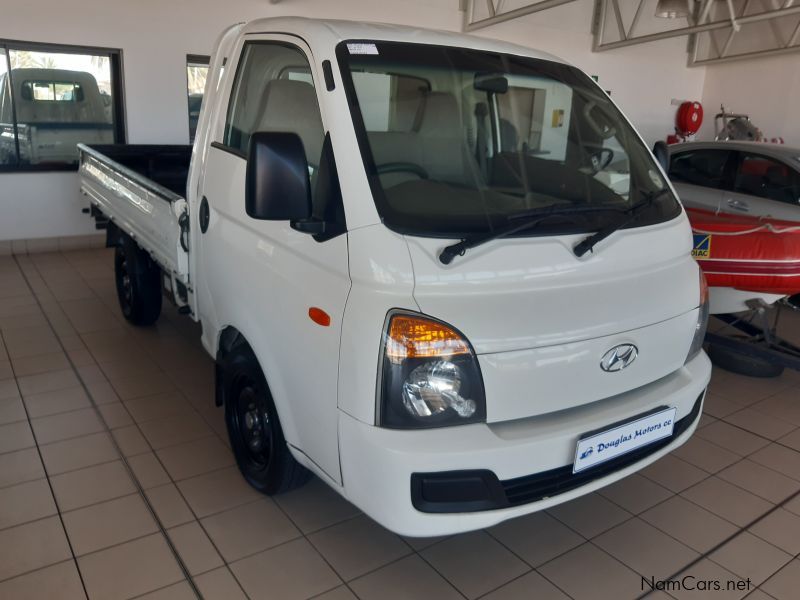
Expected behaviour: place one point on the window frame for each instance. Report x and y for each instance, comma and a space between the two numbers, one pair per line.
194, 60
117, 88
729, 169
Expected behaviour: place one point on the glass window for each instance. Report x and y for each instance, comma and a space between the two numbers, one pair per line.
266, 98
700, 167
53, 99
196, 75
459, 141
767, 178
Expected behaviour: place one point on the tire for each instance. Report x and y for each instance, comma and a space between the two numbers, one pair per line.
733, 361
254, 428
794, 301
138, 283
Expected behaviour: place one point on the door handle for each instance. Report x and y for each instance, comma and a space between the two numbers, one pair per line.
738, 204
204, 215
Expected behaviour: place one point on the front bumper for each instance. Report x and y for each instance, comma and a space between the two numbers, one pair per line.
378, 464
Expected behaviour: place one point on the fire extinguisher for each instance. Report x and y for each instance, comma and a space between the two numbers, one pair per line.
688, 119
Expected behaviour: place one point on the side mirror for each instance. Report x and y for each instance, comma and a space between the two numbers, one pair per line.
277, 186
661, 152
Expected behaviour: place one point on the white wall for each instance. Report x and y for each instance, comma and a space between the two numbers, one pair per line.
156, 35
767, 89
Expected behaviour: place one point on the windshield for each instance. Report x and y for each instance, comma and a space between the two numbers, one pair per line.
457, 141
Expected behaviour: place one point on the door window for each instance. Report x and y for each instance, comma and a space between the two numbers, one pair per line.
265, 98
700, 167
765, 177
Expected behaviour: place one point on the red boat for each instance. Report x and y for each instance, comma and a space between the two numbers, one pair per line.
746, 257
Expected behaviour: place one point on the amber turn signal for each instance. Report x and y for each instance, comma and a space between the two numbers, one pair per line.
416, 337
319, 316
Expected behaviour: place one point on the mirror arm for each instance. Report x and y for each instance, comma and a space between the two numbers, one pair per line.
311, 226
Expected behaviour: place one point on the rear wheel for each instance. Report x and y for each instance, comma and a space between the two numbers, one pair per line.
730, 360
138, 281
254, 427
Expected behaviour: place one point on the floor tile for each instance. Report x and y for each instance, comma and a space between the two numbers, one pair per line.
750, 557
760, 424
315, 505
734, 439
32, 546
781, 406
530, 585
195, 458
169, 506
292, 570
60, 581
706, 455
249, 529
217, 491
20, 466
108, 524
195, 548
219, 584
107, 573
673, 473
340, 593
66, 425
589, 573
689, 523
25, 502
147, 470
136, 387
179, 429
48, 382
475, 563
8, 389
159, 406
523, 536
760, 480
408, 578
646, 549
635, 493
34, 365
77, 453
727, 501
91, 485
779, 458
12, 410
780, 528
59, 401
357, 546
590, 515
784, 583
102, 393
176, 591
130, 440
115, 415
719, 406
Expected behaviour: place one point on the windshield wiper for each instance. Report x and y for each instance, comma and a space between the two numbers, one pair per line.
588, 243
529, 219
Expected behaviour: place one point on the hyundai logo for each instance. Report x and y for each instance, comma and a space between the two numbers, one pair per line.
619, 357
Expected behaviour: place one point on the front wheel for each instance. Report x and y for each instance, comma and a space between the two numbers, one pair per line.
253, 426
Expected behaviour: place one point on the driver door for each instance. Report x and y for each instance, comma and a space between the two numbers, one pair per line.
263, 276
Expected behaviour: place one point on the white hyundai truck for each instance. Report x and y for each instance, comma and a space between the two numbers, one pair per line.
442, 273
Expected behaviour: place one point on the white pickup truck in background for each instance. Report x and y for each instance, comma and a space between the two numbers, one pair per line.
54, 110
442, 273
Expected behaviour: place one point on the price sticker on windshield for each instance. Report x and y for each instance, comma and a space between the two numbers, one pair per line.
362, 48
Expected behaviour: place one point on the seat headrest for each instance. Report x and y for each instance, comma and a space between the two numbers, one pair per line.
441, 115
292, 106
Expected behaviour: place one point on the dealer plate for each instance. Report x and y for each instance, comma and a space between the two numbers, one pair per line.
596, 448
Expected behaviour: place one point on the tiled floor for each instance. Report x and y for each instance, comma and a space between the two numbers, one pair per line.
116, 481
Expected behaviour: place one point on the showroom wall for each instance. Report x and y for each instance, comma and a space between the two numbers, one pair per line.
767, 89
155, 37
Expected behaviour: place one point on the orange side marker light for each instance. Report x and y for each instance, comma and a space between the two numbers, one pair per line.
319, 316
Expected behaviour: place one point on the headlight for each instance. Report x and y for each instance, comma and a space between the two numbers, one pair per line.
702, 321
429, 375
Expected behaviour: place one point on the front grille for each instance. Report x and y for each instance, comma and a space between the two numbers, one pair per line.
546, 484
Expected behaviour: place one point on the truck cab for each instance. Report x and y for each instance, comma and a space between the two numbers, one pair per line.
442, 273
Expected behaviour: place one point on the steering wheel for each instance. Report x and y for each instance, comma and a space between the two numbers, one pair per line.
402, 167
601, 159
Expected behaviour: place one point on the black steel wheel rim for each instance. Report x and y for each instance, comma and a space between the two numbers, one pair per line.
252, 423
125, 287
